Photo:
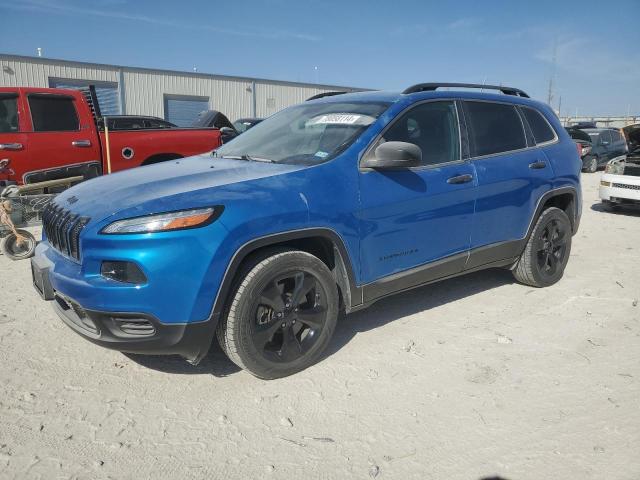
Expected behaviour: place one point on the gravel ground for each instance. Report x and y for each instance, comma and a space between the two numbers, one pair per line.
473, 377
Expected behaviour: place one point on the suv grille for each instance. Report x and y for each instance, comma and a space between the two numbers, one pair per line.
63, 229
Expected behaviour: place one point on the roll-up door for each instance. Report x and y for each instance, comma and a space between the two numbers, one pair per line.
107, 92
182, 111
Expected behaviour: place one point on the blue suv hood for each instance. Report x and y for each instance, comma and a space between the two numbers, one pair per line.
172, 185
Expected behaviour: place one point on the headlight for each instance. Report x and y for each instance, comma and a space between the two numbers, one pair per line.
164, 222
614, 168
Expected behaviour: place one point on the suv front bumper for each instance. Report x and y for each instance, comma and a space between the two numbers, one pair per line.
130, 332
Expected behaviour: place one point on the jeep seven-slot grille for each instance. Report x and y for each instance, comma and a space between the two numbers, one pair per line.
63, 229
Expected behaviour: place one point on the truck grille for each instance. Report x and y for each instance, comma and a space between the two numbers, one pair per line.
626, 185
63, 229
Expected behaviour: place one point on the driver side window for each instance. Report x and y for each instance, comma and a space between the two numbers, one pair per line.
432, 126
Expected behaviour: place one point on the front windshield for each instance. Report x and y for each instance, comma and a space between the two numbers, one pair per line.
306, 134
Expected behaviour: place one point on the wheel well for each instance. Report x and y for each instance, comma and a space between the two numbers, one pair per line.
324, 249
565, 202
161, 157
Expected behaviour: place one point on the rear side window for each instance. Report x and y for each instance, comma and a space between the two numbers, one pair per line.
494, 128
605, 136
615, 136
8, 113
542, 131
53, 113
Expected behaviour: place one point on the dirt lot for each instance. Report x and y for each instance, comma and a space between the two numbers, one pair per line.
477, 376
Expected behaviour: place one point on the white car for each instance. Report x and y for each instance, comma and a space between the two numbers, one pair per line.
620, 183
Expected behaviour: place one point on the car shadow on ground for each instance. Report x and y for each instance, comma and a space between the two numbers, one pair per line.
380, 313
415, 301
627, 210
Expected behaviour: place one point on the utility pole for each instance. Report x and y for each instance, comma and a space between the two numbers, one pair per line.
553, 72
559, 105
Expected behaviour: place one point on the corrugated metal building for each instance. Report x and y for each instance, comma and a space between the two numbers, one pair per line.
173, 95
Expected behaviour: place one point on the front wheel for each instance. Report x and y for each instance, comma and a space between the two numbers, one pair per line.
547, 251
18, 248
282, 314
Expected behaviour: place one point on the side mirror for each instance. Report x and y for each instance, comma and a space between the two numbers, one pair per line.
227, 133
395, 155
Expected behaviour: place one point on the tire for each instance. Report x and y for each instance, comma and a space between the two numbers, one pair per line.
546, 254
281, 315
15, 251
592, 165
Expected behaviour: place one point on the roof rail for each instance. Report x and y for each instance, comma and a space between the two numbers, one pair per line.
325, 94
428, 87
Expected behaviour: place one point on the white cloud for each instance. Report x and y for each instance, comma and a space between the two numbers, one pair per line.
73, 10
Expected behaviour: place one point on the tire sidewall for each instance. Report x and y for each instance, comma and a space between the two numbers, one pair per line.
7, 243
241, 318
546, 217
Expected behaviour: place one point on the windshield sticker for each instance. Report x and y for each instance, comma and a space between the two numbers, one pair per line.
341, 119
322, 154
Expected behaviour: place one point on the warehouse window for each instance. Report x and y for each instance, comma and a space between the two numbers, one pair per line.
183, 110
107, 92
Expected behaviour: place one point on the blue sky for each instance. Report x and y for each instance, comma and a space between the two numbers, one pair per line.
382, 45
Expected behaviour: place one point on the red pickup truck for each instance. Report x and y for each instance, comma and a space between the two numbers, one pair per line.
49, 134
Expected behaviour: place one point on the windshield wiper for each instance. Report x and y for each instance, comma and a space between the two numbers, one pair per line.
249, 158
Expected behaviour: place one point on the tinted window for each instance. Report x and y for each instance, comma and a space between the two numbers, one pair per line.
432, 126
615, 136
8, 114
53, 114
494, 128
578, 134
126, 123
542, 132
156, 123
605, 136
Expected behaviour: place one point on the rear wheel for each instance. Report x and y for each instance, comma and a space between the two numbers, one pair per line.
18, 248
282, 314
547, 251
592, 165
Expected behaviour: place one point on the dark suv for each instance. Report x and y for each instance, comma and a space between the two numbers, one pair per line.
326, 206
598, 146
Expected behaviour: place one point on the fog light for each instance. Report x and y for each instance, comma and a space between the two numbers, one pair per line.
605, 184
125, 272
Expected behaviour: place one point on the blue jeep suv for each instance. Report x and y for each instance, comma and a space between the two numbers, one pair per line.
324, 207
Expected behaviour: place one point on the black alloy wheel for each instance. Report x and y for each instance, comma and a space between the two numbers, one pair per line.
281, 313
552, 247
547, 251
289, 316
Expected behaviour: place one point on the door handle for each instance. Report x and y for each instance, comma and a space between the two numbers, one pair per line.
81, 143
460, 179
10, 146
537, 165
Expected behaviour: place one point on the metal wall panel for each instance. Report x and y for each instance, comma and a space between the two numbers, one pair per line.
272, 97
36, 72
144, 90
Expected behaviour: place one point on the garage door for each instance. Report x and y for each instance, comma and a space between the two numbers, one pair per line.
184, 110
107, 92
